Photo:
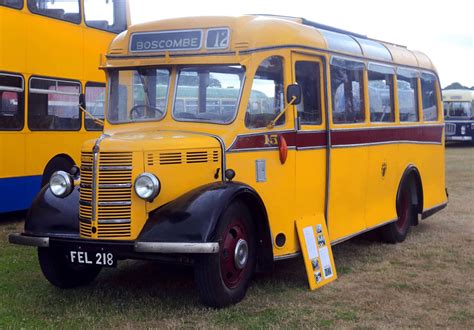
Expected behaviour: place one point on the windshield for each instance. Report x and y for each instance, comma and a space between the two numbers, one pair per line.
458, 109
208, 93
138, 95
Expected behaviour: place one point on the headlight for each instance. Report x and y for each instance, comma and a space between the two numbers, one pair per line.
147, 186
61, 184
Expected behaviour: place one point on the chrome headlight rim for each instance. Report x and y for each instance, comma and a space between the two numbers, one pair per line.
61, 184
155, 186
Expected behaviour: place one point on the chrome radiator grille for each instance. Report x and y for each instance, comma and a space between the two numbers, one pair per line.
450, 129
113, 202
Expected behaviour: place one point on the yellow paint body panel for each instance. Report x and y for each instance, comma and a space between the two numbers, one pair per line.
356, 192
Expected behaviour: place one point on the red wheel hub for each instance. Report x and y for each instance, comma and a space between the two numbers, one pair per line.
234, 254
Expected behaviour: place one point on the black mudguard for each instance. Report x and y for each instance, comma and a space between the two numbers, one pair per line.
53, 216
193, 216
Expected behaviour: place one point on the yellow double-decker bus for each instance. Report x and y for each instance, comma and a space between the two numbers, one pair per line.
219, 137
49, 55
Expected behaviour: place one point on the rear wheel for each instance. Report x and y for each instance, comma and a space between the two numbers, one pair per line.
59, 272
397, 231
222, 278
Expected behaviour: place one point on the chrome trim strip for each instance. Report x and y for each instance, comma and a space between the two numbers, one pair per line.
345, 238
28, 240
114, 221
115, 168
95, 165
165, 247
287, 256
365, 127
128, 203
338, 146
115, 185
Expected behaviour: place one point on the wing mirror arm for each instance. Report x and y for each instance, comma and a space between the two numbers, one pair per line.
293, 96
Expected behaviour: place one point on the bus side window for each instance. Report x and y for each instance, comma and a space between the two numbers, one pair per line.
307, 76
12, 102
95, 100
66, 10
381, 93
407, 83
53, 105
267, 94
17, 4
428, 97
347, 91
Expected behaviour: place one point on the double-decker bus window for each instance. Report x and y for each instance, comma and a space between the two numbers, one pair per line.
407, 83
17, 4
108, 15
307, 76
95, 100
66, 10
381, 93
54, 105
11, 106
267, 94
428, 96
347, 90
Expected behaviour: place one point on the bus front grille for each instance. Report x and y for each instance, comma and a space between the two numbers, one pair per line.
450, 129
114, 194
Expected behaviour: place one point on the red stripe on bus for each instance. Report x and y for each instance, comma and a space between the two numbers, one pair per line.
308, 139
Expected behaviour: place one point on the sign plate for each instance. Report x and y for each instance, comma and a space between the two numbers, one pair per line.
317, 254
179, 40
166, 41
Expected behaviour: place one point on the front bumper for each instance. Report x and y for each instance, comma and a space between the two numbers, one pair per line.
458, 138
135, 247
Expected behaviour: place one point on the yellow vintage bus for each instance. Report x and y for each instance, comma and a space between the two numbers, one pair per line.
219, 136
49, 54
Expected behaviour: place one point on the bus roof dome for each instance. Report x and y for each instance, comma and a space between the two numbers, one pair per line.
253, 32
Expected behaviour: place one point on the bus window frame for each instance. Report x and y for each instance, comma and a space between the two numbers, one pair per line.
392, 91
288, 122
12, 7
56, 79
417, 92
438, 96
83, 16
23, 91
176, 71
56, 18
364, 98
84, 116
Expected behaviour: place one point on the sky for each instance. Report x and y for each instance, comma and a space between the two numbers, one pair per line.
444, 30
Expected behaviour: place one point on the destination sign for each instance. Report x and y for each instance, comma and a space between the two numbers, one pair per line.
180, 40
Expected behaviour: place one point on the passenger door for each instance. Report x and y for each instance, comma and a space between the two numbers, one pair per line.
310, 136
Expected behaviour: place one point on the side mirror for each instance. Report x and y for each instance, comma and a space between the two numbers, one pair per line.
293, 90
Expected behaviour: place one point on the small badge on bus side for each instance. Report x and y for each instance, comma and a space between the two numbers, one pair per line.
261, 170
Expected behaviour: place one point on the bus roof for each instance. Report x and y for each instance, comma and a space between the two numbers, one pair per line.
254, 32
458, 95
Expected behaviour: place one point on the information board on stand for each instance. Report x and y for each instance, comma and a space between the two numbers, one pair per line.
317, 253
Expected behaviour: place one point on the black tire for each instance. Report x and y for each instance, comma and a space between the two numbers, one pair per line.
219, 280
59, 272
397, 231
56, 164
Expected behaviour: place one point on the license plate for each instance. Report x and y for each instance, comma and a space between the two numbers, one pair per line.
97, 258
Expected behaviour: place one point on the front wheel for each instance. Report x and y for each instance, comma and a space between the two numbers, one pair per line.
59, 272
222, 278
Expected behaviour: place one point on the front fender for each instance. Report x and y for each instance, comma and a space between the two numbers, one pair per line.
53, 216
193, 216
